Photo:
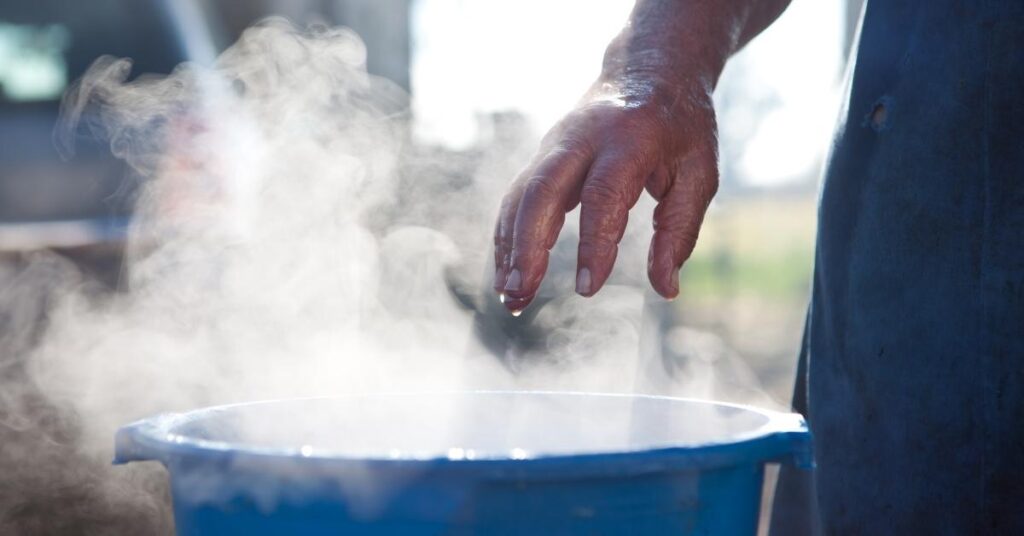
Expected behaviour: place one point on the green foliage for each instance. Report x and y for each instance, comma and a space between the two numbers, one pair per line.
778, 275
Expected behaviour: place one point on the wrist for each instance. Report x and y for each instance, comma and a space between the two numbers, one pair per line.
653, 78
680, 42
631, 61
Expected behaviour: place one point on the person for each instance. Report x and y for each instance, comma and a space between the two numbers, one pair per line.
912, 368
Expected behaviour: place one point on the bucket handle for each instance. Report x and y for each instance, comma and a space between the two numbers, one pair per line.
144, 440
792, 440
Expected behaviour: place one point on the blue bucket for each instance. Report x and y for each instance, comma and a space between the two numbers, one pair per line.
469, 463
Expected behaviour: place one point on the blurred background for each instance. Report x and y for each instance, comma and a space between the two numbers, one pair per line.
744, 290
481, 74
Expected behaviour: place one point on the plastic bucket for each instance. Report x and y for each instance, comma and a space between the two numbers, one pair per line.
469, 463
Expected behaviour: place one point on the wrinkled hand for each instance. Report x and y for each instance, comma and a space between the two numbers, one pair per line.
625, 136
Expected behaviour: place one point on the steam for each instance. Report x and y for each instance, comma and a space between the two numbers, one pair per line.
289, 242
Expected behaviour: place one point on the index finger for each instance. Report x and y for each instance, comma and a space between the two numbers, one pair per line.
551, 190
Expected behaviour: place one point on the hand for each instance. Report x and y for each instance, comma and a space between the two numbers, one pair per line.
629, 133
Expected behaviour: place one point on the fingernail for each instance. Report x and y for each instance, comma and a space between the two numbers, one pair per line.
583, 282
517, 312
515, 281
675, 281
501, 297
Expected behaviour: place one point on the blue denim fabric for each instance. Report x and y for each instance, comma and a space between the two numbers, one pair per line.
912, 374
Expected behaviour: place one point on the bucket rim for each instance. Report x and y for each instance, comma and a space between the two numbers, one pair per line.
783, 437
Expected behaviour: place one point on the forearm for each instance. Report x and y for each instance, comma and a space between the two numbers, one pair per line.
665, 40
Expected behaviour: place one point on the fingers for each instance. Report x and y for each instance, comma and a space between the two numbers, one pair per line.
503, 235
658, 182
611, 188
677, 220
545, 194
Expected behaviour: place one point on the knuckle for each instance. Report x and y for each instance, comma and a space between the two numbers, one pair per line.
597, 245
678, 223
638, 160
599, 193
580, 123
508, 205
709, 186
541, 187
685, 237
670, 221
552, 135
627, 157
576, 147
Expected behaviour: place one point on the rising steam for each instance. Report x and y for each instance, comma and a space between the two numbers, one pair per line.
289, 241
